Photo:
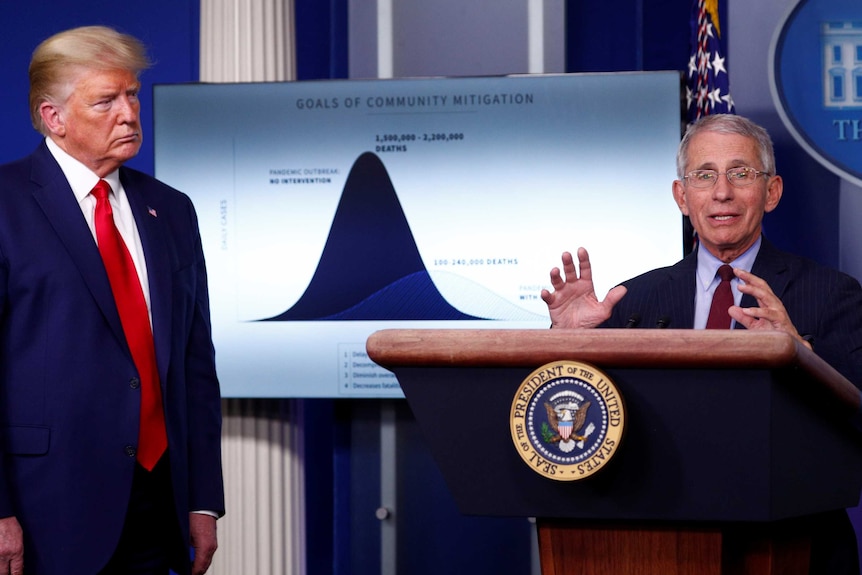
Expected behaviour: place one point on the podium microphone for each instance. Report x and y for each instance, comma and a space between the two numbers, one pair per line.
662, 322
634, 320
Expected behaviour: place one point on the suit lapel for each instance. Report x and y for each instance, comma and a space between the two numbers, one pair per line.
677, 295
57, 201
771, 266
152, 232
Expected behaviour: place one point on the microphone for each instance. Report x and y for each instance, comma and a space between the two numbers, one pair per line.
634, 320
662, 322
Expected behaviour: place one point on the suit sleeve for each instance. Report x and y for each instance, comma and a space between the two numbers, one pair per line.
6, 507
837, 334
204, 399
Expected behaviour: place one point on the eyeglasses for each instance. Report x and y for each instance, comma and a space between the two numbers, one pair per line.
738, 177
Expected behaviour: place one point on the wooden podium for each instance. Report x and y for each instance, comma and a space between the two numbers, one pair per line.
736, 442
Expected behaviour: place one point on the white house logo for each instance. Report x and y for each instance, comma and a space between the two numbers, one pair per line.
842, 66
567, 420
816, 81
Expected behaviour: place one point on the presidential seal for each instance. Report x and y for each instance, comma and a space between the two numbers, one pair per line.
567, 420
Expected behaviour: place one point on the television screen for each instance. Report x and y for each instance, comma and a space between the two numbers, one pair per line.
331, 209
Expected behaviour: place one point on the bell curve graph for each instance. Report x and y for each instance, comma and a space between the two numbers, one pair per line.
329, 210
370, 242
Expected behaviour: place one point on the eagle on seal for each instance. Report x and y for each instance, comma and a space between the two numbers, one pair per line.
568, 423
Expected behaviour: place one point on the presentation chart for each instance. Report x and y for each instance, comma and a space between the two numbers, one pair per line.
331, 209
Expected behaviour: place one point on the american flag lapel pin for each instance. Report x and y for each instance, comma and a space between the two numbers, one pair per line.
152, 212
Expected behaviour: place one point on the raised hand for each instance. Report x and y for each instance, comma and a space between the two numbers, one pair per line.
573, 303
770, 313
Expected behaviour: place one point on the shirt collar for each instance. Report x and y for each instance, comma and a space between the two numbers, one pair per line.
708, 264
81, 179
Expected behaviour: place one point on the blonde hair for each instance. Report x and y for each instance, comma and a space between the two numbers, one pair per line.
57, 61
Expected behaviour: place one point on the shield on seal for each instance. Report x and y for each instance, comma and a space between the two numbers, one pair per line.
565, 425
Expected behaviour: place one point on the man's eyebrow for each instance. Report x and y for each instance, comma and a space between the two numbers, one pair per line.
706, 166
736, 163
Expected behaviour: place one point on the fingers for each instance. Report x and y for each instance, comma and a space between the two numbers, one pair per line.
568, 267
558, 281
742, 317
586, 270
753, 285
760, 290
568, 273
11, 546
615, 295
557, 278
201, 563
770, 312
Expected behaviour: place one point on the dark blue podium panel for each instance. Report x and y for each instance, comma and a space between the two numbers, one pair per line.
700, 445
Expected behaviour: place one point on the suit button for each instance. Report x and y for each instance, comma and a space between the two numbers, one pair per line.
131, 451
134, 383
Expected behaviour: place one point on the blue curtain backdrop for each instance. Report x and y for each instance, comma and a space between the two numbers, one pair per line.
170, 28
627, 35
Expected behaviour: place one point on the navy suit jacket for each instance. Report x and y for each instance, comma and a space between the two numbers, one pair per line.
823, 304
69, 403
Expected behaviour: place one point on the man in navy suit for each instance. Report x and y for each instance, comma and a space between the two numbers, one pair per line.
85, 488
726, 183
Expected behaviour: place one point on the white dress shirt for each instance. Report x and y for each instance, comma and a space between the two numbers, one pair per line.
82, 180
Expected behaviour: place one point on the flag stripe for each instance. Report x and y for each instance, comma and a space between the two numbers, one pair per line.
708, 86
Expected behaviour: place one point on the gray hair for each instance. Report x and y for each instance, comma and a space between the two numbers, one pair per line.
57, 61
727, 124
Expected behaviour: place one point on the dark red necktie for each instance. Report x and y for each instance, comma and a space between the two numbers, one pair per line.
722, 299
152, 438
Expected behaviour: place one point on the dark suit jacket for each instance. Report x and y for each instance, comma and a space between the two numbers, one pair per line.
69, 407
823, 303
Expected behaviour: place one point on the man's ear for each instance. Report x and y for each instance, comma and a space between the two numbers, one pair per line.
679, 196
774, 190
53, 119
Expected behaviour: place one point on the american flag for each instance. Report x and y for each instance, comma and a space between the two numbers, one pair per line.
708, 88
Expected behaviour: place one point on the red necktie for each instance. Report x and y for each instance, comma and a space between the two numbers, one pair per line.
722, 299
152, 438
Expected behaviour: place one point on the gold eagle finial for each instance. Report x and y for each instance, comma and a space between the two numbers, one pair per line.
711, 7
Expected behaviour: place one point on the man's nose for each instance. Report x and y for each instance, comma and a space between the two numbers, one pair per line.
723, 189
127, 109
